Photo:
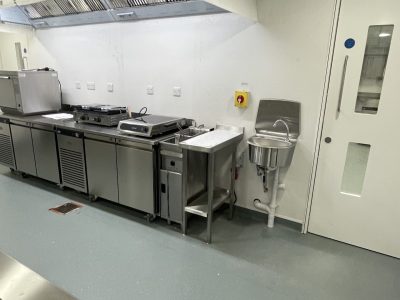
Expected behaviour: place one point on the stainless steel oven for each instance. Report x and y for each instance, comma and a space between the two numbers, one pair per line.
29, 92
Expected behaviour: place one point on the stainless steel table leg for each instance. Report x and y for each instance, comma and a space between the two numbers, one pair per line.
232, 188
184, 191
210, 191
184, 222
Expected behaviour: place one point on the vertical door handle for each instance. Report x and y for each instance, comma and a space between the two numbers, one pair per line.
344, 70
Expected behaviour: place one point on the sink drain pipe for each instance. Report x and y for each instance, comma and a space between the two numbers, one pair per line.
270, 207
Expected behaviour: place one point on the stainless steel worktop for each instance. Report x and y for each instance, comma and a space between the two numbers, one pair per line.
18, 281
213, 141
70, 124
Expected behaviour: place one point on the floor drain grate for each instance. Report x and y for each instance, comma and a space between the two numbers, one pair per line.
66, 208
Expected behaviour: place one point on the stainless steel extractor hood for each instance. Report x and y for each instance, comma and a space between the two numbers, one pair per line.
56, 13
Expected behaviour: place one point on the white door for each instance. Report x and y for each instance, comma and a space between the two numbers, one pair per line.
357, 196
8, 54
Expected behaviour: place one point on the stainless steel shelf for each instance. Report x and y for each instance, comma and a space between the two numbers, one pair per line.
199, 206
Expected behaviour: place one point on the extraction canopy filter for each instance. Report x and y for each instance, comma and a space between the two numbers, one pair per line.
54, 8
133, 3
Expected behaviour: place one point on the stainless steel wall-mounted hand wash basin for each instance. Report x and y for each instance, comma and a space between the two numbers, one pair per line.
270, 153
272, 148
277, 128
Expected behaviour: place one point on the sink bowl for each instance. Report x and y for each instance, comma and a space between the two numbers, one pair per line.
270, 152
189, 133
172, 143
193, 131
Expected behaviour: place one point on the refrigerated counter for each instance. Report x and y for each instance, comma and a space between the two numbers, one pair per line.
98, 161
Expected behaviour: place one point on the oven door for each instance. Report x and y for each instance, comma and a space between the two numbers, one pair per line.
7, 97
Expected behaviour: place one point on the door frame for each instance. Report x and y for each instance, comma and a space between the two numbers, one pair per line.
321, 120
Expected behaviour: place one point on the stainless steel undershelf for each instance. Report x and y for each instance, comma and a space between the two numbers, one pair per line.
199, 206
18, 281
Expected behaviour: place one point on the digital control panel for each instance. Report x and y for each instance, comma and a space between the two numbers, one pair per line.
134, 128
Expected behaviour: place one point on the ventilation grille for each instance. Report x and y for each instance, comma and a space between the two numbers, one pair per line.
54, 8
6, 151
73, 169
137, 3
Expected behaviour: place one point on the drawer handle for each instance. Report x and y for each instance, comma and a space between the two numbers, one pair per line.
163, 188
172, 163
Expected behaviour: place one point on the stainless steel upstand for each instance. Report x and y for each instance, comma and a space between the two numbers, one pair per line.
223, 138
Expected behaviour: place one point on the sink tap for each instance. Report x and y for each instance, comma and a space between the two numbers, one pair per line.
180, 133
194, 124
286, 125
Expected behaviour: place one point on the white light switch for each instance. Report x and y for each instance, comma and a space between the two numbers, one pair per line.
91, 85
177, 91
110, 87
150, 90
78, 85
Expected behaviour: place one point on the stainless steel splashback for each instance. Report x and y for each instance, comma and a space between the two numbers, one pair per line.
270, 110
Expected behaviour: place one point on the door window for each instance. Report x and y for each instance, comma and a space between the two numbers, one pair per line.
373, 70
355, 168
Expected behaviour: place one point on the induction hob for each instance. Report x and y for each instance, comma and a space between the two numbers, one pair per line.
151, 125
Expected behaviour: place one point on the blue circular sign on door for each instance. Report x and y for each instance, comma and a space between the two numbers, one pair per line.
349, 43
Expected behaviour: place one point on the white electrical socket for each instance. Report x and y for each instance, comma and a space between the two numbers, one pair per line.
150, 90
177, 91
110, 87
91, 85
78, 85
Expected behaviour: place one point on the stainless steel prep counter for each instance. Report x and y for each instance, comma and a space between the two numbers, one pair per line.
224, 137
91, 159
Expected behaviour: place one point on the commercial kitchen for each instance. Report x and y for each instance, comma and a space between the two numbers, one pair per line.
191, 149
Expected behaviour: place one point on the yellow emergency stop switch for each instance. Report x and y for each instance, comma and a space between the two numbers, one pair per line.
241, 99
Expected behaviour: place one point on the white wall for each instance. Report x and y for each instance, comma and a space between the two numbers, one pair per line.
283, 56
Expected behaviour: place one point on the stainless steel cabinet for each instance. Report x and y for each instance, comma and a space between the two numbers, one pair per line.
171, 205
175, 192
23, 149
35, 151
136, 178
45, 149
163, 194
101, 164
72, 160
6, 146
172, 171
